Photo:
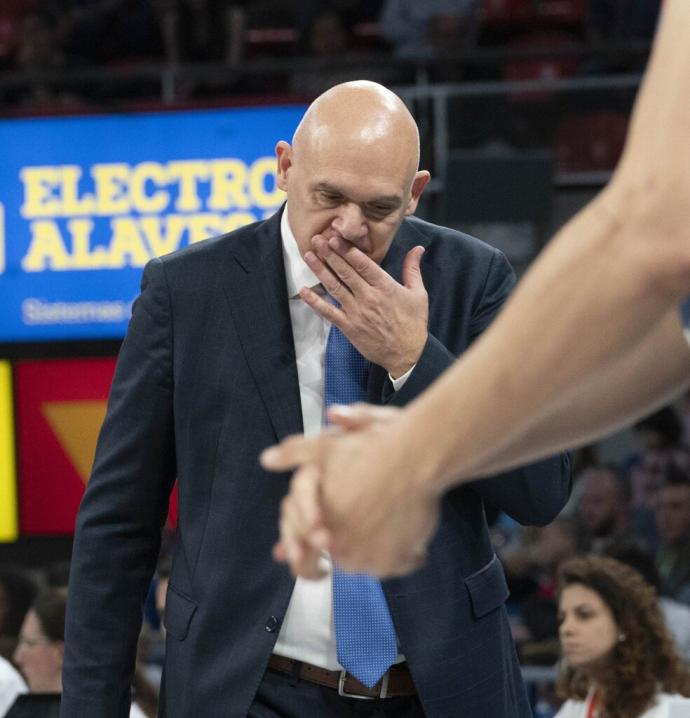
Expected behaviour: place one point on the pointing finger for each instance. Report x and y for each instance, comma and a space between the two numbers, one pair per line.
291, 452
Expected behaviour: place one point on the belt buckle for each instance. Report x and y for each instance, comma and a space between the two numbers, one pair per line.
383, 693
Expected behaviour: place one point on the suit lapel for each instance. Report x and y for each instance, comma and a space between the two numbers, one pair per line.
256, 291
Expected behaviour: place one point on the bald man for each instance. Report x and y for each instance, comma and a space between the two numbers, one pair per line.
225, 355
595, 337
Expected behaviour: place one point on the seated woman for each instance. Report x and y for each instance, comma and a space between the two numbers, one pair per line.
39, 653
619, 660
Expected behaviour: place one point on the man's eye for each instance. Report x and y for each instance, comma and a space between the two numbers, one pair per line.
329, 196
378, 211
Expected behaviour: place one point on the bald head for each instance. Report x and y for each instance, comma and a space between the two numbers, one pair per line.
352, 169
363, 116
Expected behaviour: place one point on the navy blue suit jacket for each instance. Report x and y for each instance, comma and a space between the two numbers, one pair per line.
205, 380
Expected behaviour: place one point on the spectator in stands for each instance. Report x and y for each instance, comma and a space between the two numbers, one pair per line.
676, 614
39, 47
328, 40
619, 659
113, 31
428, 29
603, 509
326, 37
541, 552
17, 591
39, 655
201, 28
646, 478
673, 524
11, 13
532, 571
39, 51
661, 430
621, 21
658, 436
353, 12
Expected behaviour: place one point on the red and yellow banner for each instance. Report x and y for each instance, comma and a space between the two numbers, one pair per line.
8, 477
60, 408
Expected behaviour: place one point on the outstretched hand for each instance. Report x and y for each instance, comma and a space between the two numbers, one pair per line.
354, 495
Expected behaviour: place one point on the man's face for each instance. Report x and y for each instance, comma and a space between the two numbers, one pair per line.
673, 513
359, 193
600, 502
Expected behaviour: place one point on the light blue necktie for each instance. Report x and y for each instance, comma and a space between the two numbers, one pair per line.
364, 631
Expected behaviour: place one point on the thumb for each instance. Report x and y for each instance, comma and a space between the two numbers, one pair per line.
355, 417
411, 274
291, 452
351, 417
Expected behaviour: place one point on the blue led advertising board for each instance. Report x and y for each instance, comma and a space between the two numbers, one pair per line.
85, 202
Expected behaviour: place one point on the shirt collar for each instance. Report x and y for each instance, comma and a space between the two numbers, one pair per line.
297, 273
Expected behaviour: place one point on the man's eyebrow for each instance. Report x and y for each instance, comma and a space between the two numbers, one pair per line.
325, 186
392, 200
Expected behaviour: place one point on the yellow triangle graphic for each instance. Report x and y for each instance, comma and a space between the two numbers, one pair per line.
76, 425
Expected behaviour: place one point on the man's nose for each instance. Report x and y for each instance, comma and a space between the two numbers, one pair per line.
350, 221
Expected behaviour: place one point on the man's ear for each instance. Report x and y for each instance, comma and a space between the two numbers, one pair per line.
284, 158
418, 184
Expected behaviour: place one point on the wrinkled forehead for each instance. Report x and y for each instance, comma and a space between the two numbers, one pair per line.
372, 163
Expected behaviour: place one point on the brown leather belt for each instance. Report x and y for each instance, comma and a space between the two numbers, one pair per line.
397, 681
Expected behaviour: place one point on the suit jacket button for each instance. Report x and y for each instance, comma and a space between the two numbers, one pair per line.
272, 624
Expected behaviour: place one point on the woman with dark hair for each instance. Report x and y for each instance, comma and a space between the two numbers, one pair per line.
619, 660
39, 654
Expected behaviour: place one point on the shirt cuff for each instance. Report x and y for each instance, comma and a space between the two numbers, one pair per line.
399, 383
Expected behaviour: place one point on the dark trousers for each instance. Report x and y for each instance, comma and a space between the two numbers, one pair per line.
280, 696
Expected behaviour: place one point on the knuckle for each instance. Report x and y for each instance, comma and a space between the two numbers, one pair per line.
360, 265
344, 270
335, 290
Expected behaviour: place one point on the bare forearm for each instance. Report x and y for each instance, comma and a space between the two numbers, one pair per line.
584, 318
644, 379
583, 314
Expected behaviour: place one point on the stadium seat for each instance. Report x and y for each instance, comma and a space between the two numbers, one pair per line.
590, 143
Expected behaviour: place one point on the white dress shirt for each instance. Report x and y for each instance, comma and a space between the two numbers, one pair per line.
666, 705
308, 633
11, 685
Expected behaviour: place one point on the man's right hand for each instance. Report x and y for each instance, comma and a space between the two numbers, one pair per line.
385, 320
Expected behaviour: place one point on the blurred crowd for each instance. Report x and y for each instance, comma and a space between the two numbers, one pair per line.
382, 40
636, 510
32, 634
